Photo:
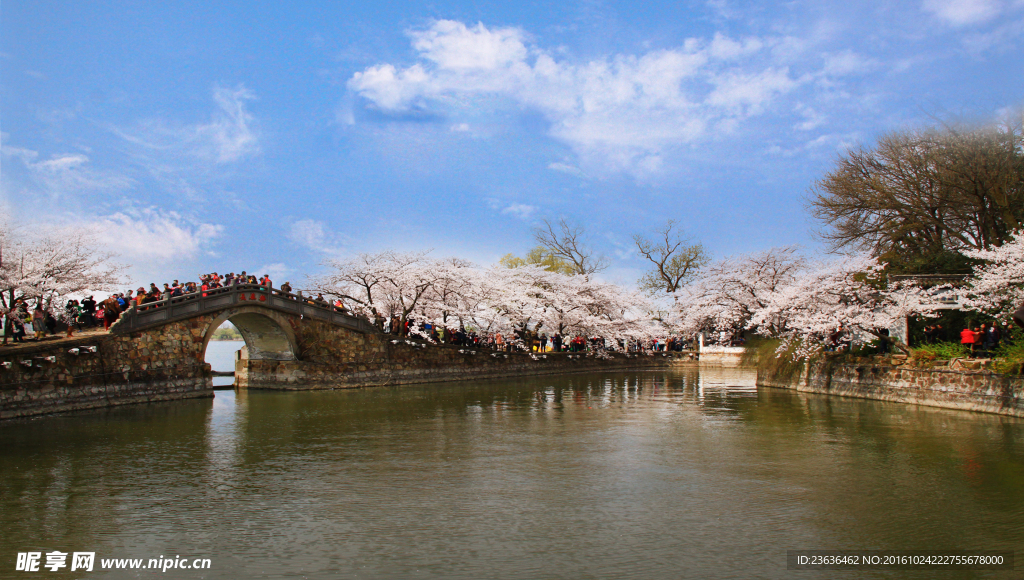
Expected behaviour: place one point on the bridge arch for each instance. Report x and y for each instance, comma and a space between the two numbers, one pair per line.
268, 335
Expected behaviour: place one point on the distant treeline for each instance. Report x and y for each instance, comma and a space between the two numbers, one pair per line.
226, 333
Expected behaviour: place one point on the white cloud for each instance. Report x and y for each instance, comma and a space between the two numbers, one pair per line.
67, 173
231, 134
812, 118
390, 88
519, 210
152, 234
316, 236
964, 12
453, 46
725, 48
620, 112
27, 156
847, 62
749, 93
277, 271
566, 168
1005, 36
61, 163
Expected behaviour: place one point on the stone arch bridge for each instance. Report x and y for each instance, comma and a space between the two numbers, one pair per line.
270, 320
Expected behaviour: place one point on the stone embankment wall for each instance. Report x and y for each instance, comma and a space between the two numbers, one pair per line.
124, 369
402, 365
952, 389
722, 356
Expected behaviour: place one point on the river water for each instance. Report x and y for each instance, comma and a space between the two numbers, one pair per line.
221, 356
647, 475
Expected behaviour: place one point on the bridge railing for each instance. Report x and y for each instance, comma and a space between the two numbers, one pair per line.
175, 308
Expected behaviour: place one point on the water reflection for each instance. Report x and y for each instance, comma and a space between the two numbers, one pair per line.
635, 475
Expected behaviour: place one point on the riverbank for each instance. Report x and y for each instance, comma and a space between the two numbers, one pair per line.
969, 390
62, 375
439, 363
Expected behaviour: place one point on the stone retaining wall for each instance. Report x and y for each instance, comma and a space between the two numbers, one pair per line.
982, 391
123, 370
401, 365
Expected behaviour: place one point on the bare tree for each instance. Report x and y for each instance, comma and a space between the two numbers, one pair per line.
920, 198
676, 261
565, 240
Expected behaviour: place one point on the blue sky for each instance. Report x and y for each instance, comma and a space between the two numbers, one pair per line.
263, 135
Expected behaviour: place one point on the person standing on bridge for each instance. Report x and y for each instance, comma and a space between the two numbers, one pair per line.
71, 314
89, 310
17, 327
38, 322
110, 312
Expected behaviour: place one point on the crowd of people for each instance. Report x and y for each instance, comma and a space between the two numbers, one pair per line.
76, 314
981, 340
522, 340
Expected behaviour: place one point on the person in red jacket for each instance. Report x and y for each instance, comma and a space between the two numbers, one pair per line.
968, 338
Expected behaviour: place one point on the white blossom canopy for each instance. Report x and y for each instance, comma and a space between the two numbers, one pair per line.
47, 266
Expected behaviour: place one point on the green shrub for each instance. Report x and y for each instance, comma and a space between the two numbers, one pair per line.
1010, 358
940, 351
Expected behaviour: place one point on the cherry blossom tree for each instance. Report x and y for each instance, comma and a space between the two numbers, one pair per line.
450, 296
47, 266
725, 296
997, 286
533, 298
382, 285
847, 295
529, 298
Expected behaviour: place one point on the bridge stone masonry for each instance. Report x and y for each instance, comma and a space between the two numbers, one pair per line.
156, 353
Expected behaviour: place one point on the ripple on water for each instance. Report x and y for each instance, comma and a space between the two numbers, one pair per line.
623, 475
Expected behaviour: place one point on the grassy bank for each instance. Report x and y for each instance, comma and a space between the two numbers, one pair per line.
763, 354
